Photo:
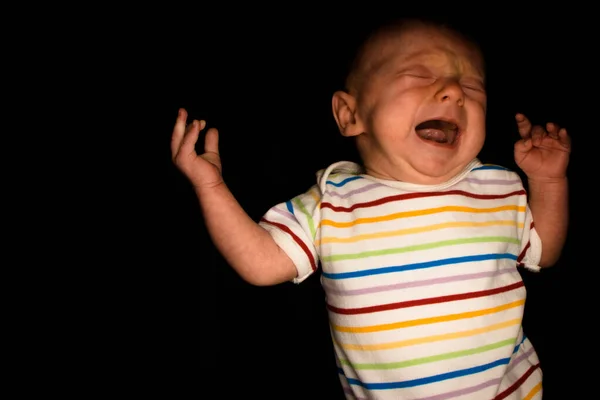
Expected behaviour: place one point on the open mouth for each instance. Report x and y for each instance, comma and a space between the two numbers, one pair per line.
436, 130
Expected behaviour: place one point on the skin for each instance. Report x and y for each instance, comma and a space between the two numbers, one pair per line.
405, 78
427, 74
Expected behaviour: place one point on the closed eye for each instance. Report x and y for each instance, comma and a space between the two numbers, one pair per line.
476, 88
421, 77
473, 86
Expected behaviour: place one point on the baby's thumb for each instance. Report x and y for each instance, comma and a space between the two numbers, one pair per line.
523, 145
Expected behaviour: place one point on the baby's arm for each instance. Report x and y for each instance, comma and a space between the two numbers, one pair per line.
246, 246
543, 154
549, 207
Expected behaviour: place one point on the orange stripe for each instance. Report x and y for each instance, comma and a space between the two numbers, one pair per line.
416, 213
425, 321
429, 339
533, 391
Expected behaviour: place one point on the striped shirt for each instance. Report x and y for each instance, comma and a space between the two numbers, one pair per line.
422, 289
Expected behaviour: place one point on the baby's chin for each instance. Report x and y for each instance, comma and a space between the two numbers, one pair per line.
439, 162
420, 172
435, 174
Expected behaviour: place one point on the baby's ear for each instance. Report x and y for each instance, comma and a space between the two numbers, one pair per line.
346, 114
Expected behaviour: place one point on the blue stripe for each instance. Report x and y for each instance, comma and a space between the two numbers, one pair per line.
430, 379
428, 264
519, 345
342, 183
497, 167
289, 207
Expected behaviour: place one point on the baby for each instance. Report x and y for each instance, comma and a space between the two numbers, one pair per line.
418, 245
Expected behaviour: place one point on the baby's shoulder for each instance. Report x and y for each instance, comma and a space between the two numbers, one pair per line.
493, 171
339, 174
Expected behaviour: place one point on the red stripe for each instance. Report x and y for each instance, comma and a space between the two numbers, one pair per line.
522, 255
527, 246
518, 383
284, 228
420, 195
422, 302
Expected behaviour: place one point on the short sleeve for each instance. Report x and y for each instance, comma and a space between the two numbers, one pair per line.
531, 244
294, 227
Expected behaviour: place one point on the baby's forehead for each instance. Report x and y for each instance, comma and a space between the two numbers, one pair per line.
431, 45
419, 41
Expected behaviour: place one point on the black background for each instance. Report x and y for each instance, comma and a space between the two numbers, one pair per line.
265, 80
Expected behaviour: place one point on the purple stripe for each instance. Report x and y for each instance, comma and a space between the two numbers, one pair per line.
284, 213
425, 282
493, 181
518, 360
350, 392
464, 391
353, 192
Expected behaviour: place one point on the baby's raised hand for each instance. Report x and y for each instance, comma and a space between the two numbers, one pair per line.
203, 170
543, 154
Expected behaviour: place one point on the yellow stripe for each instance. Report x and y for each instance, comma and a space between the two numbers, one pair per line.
424, 321
533, 391
419, 229
416, 213
315, 196
429, 339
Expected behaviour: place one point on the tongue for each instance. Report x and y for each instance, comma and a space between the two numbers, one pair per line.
437, 135
437, 131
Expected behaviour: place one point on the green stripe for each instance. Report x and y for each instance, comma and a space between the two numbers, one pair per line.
439, 357
311, 223
425, 246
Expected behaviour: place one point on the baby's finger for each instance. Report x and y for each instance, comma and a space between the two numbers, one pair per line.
553, 130
537, 134
188, 144
523, 146
178, 132
523, 125
211, 141
564, 139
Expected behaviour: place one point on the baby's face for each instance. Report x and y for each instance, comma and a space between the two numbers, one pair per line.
421, 107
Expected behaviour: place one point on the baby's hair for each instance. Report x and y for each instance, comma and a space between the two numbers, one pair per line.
398, 26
